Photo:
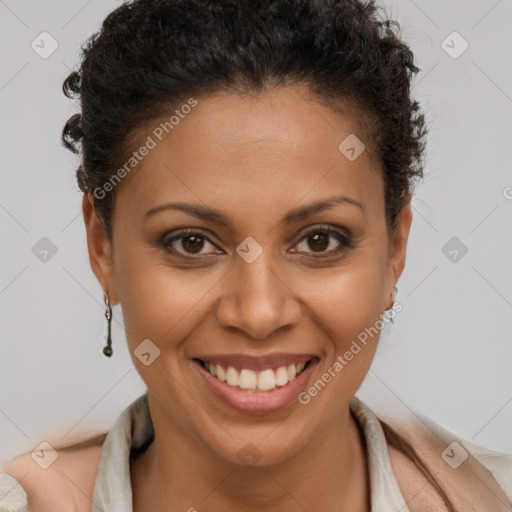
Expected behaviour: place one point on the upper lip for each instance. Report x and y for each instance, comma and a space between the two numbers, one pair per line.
239, 361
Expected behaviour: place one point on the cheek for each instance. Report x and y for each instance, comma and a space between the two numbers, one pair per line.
347, 299
164, 305
348, 314
347, 306
159, 302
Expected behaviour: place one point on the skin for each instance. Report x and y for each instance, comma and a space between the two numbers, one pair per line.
253, 158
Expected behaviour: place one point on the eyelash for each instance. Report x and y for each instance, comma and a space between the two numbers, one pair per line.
345, 241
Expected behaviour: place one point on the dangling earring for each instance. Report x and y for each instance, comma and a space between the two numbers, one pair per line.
108, 313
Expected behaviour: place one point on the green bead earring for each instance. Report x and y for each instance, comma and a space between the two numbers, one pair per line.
108, 313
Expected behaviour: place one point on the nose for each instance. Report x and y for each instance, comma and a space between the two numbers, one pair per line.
257, 300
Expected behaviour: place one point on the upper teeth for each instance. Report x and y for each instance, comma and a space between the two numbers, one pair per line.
265, 380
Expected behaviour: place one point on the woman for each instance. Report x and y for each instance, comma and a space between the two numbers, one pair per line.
247, 170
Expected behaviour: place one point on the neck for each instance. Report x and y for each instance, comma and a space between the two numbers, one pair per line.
329, 474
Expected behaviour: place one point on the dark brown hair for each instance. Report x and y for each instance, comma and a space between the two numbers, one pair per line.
150, 56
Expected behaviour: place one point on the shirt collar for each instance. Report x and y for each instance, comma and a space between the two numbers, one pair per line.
133, 429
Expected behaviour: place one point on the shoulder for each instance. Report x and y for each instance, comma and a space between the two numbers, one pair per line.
50, 480
475, 478
498, 463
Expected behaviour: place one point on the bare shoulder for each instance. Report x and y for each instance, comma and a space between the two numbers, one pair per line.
57, 479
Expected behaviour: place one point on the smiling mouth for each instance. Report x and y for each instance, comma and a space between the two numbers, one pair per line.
246, 379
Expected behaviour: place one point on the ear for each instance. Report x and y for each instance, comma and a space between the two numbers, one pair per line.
100, 249
398, 248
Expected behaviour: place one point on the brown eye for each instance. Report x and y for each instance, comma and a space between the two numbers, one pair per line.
192, 244
318, 241
188, 242
324, 241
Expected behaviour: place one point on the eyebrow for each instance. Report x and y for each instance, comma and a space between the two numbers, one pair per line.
294, 215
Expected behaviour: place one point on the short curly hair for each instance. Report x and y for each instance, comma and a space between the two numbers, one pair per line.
149, 55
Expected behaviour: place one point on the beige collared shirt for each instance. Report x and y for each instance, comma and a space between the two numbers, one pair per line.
134, 429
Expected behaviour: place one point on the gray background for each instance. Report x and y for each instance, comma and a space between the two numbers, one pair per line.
449, 352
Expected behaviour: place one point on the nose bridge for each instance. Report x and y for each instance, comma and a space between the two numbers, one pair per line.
256, 269
257, 281
258, 301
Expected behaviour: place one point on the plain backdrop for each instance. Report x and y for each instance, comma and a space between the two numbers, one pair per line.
449, 352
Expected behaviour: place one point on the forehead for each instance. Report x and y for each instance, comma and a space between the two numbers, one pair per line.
281, 146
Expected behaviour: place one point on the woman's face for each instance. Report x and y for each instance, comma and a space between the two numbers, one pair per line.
252, 175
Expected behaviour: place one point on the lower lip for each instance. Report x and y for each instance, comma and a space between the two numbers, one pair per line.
257, 402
